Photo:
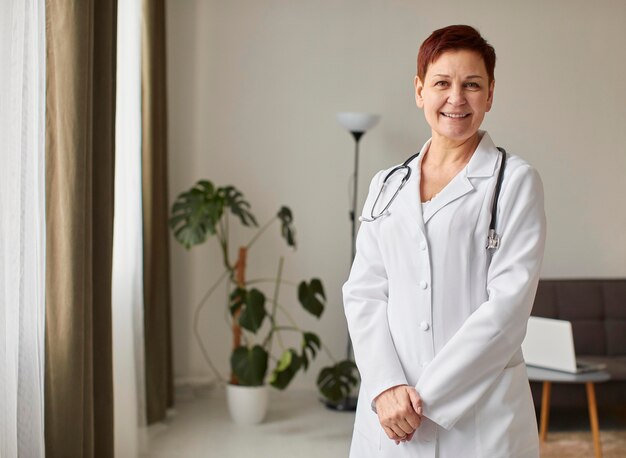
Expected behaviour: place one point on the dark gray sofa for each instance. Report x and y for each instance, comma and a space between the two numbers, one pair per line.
597, 310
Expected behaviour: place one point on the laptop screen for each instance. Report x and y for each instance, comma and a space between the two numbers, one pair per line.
549, 343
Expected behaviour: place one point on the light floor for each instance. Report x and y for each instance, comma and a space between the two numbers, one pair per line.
297, 425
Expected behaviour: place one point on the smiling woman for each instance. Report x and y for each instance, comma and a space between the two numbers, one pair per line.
455, 93
436, 314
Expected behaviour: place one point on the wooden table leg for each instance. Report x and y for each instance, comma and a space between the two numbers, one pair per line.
593, 417
545, 411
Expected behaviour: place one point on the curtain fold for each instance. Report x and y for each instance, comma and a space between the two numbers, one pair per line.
22, 230
128, 351
80, 142
157, 323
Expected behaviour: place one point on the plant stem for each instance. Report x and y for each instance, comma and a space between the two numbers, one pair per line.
196, 332
327, 351
260, 231
236, 327
288, 315
280, 341
227, 230
296, 327
287, 328
222, 236
275, 301
271, 280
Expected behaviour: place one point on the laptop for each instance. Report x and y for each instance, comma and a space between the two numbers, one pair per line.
549, 344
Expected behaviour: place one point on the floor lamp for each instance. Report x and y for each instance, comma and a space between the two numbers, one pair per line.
357, 124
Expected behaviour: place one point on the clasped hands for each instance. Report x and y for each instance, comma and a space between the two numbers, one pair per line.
399, 411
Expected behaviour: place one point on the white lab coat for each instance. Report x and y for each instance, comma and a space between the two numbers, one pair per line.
427, 305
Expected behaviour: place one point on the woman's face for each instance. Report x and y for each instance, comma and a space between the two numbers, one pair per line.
455, 95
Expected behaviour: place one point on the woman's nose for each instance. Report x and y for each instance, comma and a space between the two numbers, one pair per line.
456, 96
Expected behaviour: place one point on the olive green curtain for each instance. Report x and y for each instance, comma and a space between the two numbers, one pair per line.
157, 323
80, 141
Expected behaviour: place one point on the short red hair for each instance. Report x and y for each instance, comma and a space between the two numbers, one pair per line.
455, 38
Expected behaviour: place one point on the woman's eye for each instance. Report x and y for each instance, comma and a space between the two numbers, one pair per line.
441, 83
472, 85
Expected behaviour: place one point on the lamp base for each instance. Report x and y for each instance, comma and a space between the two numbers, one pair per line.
345, 405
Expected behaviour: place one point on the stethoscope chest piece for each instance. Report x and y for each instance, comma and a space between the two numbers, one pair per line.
493, 240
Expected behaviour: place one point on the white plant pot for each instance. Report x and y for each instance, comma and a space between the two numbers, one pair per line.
247, 404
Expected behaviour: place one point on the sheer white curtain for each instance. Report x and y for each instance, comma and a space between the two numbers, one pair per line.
128, 350
22, 227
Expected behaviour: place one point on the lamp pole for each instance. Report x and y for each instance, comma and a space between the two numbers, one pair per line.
357, 124
355, 187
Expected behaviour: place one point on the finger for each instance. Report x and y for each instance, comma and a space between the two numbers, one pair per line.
414, 421
416, 400
393, 431
409, 437
390, 434
398, 431
405, 426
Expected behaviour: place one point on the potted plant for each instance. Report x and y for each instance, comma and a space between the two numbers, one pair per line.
257, 322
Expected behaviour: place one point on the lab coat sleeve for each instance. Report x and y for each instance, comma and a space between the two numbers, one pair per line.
471, 361
365, 296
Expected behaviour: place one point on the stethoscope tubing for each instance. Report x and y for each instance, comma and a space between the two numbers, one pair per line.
493, 239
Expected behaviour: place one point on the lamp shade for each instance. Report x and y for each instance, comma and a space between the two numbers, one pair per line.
357, 122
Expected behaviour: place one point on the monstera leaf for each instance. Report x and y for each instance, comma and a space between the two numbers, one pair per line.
285, 371
336, 382
249, 365
195, 214
311, 343
233, 199
252, 306
254, 312
287, 229
311, 296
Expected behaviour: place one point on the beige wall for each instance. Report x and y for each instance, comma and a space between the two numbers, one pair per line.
253, 91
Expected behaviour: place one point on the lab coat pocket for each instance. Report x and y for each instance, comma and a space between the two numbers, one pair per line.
370, 440
367, 428
506, 416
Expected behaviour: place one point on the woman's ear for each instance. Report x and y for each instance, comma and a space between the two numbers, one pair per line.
419, 86
492, 85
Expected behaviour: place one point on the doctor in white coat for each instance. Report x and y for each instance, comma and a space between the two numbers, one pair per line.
436, 318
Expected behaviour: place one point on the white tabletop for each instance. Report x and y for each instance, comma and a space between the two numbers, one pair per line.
538, 374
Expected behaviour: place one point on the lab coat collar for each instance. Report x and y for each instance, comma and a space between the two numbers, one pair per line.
483, 161
482, 164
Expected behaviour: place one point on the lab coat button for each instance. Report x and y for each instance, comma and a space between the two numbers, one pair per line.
422, 245
423, 284
424, 326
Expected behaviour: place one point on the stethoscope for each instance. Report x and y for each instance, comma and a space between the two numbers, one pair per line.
493, 239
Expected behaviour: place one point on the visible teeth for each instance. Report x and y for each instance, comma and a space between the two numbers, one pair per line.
455, 115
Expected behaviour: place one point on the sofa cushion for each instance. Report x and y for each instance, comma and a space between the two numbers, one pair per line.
616, 337
596, 309
615, 315
545, 300
589, 337
580, 300
615, 299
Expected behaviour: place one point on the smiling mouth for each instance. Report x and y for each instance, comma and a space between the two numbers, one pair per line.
455, 115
